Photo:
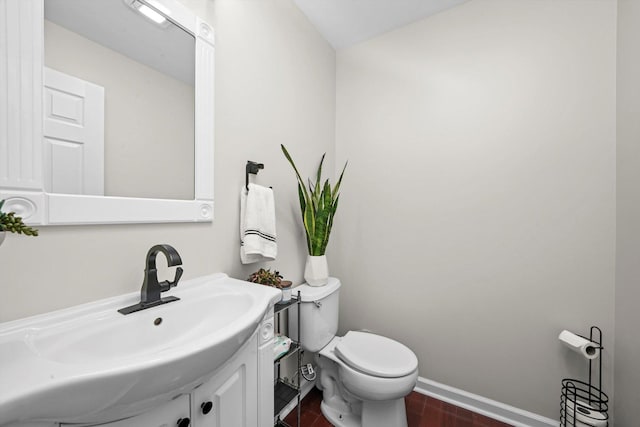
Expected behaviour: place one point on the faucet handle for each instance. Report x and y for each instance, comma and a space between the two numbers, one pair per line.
166, 285
176, 279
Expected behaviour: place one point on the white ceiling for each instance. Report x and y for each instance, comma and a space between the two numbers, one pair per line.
347, 22
113, 24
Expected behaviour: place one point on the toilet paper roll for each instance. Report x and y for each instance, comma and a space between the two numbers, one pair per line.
585, 415
587, 348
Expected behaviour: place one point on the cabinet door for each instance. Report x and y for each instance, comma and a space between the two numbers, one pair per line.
230, 398
168, 415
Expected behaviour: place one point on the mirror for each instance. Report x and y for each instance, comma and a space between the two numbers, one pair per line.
136, 109
155, 117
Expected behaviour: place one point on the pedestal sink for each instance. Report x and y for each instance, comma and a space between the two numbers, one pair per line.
90, 363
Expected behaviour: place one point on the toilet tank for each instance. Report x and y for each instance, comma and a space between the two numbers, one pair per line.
318, 314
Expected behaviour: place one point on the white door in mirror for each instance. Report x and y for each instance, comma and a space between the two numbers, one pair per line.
73, 134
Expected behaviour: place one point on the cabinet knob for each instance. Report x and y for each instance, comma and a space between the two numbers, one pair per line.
184, 422
206, 407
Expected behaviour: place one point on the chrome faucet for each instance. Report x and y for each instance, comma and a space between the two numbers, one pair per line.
151, 289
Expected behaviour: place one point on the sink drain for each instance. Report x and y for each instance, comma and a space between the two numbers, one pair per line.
157, 321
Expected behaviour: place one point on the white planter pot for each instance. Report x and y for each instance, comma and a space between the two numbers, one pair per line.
316, 270
3, 234
286, 294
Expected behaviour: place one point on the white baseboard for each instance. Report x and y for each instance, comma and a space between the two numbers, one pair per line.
481, 405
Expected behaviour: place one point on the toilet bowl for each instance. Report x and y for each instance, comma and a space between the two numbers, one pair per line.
373, 367
364, 377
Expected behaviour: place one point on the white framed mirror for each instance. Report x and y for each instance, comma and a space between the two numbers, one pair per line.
48, 93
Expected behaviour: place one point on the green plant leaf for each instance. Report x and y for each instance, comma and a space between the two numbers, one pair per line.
314, 195
337, 186
310, 225
325, 217
319, 174
303, 208
334, 208
14, 224
300, 181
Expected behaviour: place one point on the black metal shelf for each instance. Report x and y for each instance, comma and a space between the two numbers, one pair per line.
292, 349
286, 392
283, 394
277, 308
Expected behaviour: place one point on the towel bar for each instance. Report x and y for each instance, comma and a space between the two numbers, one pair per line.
252, 168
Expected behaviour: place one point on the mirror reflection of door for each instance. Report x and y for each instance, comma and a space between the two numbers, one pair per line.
147, 70
73, 135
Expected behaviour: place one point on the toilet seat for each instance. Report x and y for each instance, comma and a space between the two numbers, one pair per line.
363, 385
376, 355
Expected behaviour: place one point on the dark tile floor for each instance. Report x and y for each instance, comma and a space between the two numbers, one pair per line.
422, 411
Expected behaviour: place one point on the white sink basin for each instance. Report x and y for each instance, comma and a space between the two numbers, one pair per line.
109, 337
90, 363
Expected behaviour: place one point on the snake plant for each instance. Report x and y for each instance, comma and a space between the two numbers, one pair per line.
13, 224
318, 205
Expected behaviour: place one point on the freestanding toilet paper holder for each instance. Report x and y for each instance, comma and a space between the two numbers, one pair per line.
582, 403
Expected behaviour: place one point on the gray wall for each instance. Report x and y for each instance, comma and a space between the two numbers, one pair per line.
148, 118
627, 347
478, 211
489, 129
275, 83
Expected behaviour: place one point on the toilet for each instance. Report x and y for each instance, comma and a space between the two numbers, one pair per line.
364, 377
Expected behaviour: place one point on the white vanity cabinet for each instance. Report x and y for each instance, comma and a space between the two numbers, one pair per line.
209, 364
230, 398
174, 413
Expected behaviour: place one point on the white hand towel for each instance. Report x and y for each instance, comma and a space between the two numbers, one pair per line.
281, 345
257, 225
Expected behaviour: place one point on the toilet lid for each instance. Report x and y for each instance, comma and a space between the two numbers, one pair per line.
376, 355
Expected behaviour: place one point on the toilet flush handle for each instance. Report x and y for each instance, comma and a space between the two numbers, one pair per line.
318, 304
